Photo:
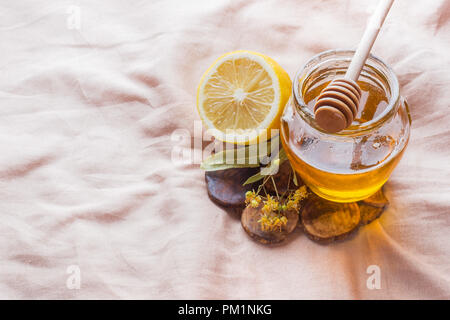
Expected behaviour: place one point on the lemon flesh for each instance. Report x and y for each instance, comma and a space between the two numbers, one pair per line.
242, 95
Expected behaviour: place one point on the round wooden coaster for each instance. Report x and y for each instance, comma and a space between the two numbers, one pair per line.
249, 221
372, 207
325, 221
225, 187
369, 213
378, 199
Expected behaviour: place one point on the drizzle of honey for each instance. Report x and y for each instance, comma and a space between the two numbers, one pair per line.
355, 174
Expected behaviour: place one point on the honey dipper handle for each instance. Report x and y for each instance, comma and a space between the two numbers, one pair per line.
369, 37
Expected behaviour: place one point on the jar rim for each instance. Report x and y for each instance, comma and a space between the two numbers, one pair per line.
370, 125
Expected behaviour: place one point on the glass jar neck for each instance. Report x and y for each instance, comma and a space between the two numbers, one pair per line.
334, 63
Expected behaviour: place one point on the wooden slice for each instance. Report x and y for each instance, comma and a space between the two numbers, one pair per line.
325, 221
378, 199
281, 180
249, 221
225, 187
369, 213
372, 207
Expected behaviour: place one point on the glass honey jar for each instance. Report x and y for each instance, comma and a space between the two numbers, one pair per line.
354, 163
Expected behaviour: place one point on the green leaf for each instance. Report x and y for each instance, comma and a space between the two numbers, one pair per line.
221, 161
256, 177
225, 166
273, 168
240, 158
269, 170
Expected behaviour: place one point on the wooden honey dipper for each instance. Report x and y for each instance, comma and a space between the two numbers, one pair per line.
337, 104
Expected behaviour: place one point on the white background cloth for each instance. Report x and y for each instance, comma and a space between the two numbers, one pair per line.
88, 104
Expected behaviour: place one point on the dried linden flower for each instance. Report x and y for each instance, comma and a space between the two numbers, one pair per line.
273, 222
275, 208
270, 205
255, 203
252, 199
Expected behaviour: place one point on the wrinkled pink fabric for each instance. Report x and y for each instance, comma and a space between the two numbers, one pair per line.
86, 177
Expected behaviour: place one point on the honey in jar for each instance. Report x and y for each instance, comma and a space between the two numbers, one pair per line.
354, 163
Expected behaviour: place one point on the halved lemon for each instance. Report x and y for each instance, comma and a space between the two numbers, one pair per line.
242, 95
